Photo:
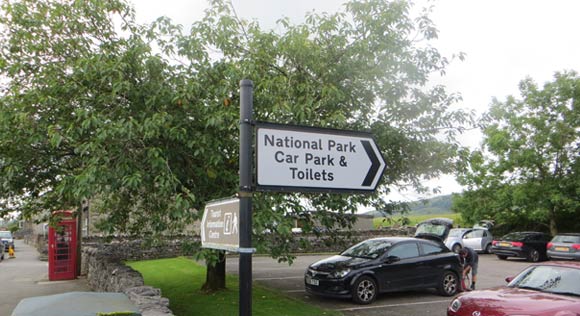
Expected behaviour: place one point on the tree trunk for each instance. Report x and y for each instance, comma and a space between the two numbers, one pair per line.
215, 278
553, 226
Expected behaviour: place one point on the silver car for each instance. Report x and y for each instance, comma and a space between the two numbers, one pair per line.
564, 246
7, 239
478, 239
454, 240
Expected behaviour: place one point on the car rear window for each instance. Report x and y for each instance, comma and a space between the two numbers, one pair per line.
571, 239
515, 237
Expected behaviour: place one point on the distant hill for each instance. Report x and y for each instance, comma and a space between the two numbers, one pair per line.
433, 206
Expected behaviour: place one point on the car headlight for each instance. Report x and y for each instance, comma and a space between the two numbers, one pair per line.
339, 274
455, 305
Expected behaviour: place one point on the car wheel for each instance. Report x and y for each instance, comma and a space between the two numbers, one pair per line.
364, 290
488, 248
534, 255
456, 248
500, 257
449, 284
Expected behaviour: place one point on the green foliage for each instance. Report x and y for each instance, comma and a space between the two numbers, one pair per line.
144, 117
180, 280
527, 174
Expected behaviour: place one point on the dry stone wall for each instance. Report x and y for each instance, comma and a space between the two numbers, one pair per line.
106, 273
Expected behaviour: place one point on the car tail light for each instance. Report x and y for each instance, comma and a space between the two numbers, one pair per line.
549, 245
576, 246
517, 244
494, 242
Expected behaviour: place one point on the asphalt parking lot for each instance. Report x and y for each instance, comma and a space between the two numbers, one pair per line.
290, 280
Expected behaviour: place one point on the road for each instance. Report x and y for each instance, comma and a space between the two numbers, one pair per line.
26, 276
290, 279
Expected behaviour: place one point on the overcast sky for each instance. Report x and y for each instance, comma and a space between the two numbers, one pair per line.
504, 41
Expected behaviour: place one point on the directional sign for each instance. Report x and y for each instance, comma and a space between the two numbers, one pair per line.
220, 225
305, 159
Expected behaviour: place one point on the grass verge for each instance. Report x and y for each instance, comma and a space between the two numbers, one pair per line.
180, 280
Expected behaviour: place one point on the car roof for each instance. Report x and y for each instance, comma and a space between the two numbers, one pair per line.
527, 233
397, 239
392, 239
568, 234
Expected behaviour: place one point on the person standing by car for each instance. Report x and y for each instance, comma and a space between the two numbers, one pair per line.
470, 262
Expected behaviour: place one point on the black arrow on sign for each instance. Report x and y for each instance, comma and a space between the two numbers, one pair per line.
375, 163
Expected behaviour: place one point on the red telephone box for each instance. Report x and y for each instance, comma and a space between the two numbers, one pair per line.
62, 248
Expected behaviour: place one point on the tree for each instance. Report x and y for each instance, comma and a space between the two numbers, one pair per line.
527, 170
144, 117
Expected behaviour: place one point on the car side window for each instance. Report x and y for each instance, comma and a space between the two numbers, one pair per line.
474, 234
429, 249
405, 251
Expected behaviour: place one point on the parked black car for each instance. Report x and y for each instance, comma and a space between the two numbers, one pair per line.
564, 246
529, 245
386, 264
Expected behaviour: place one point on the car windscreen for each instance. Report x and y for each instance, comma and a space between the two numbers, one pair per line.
5, 235
568, 239
551, 279
369, 249
456, 232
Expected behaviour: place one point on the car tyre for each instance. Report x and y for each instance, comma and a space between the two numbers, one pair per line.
500, 257
488, 248
534, 255
449, 284
364, 290
456, 248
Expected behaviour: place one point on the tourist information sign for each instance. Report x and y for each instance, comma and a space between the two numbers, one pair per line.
309, 159
220, 223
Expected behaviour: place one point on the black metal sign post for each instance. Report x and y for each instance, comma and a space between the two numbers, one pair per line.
245, 194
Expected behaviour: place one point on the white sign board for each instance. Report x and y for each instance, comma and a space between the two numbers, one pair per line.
220, 225
295, 158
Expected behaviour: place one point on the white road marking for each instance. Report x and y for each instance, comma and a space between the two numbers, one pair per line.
389, 305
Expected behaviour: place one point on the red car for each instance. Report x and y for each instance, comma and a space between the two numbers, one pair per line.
547, 289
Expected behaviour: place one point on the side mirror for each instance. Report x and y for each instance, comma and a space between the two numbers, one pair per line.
392, 259
509, 279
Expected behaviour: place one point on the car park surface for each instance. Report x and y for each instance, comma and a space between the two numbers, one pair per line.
290, 280
529, 245
544, 289
564, 246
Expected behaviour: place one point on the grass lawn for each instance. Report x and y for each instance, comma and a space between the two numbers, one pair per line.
180, 280
415, 219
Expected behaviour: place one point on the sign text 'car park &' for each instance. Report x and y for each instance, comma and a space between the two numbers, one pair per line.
297, 158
